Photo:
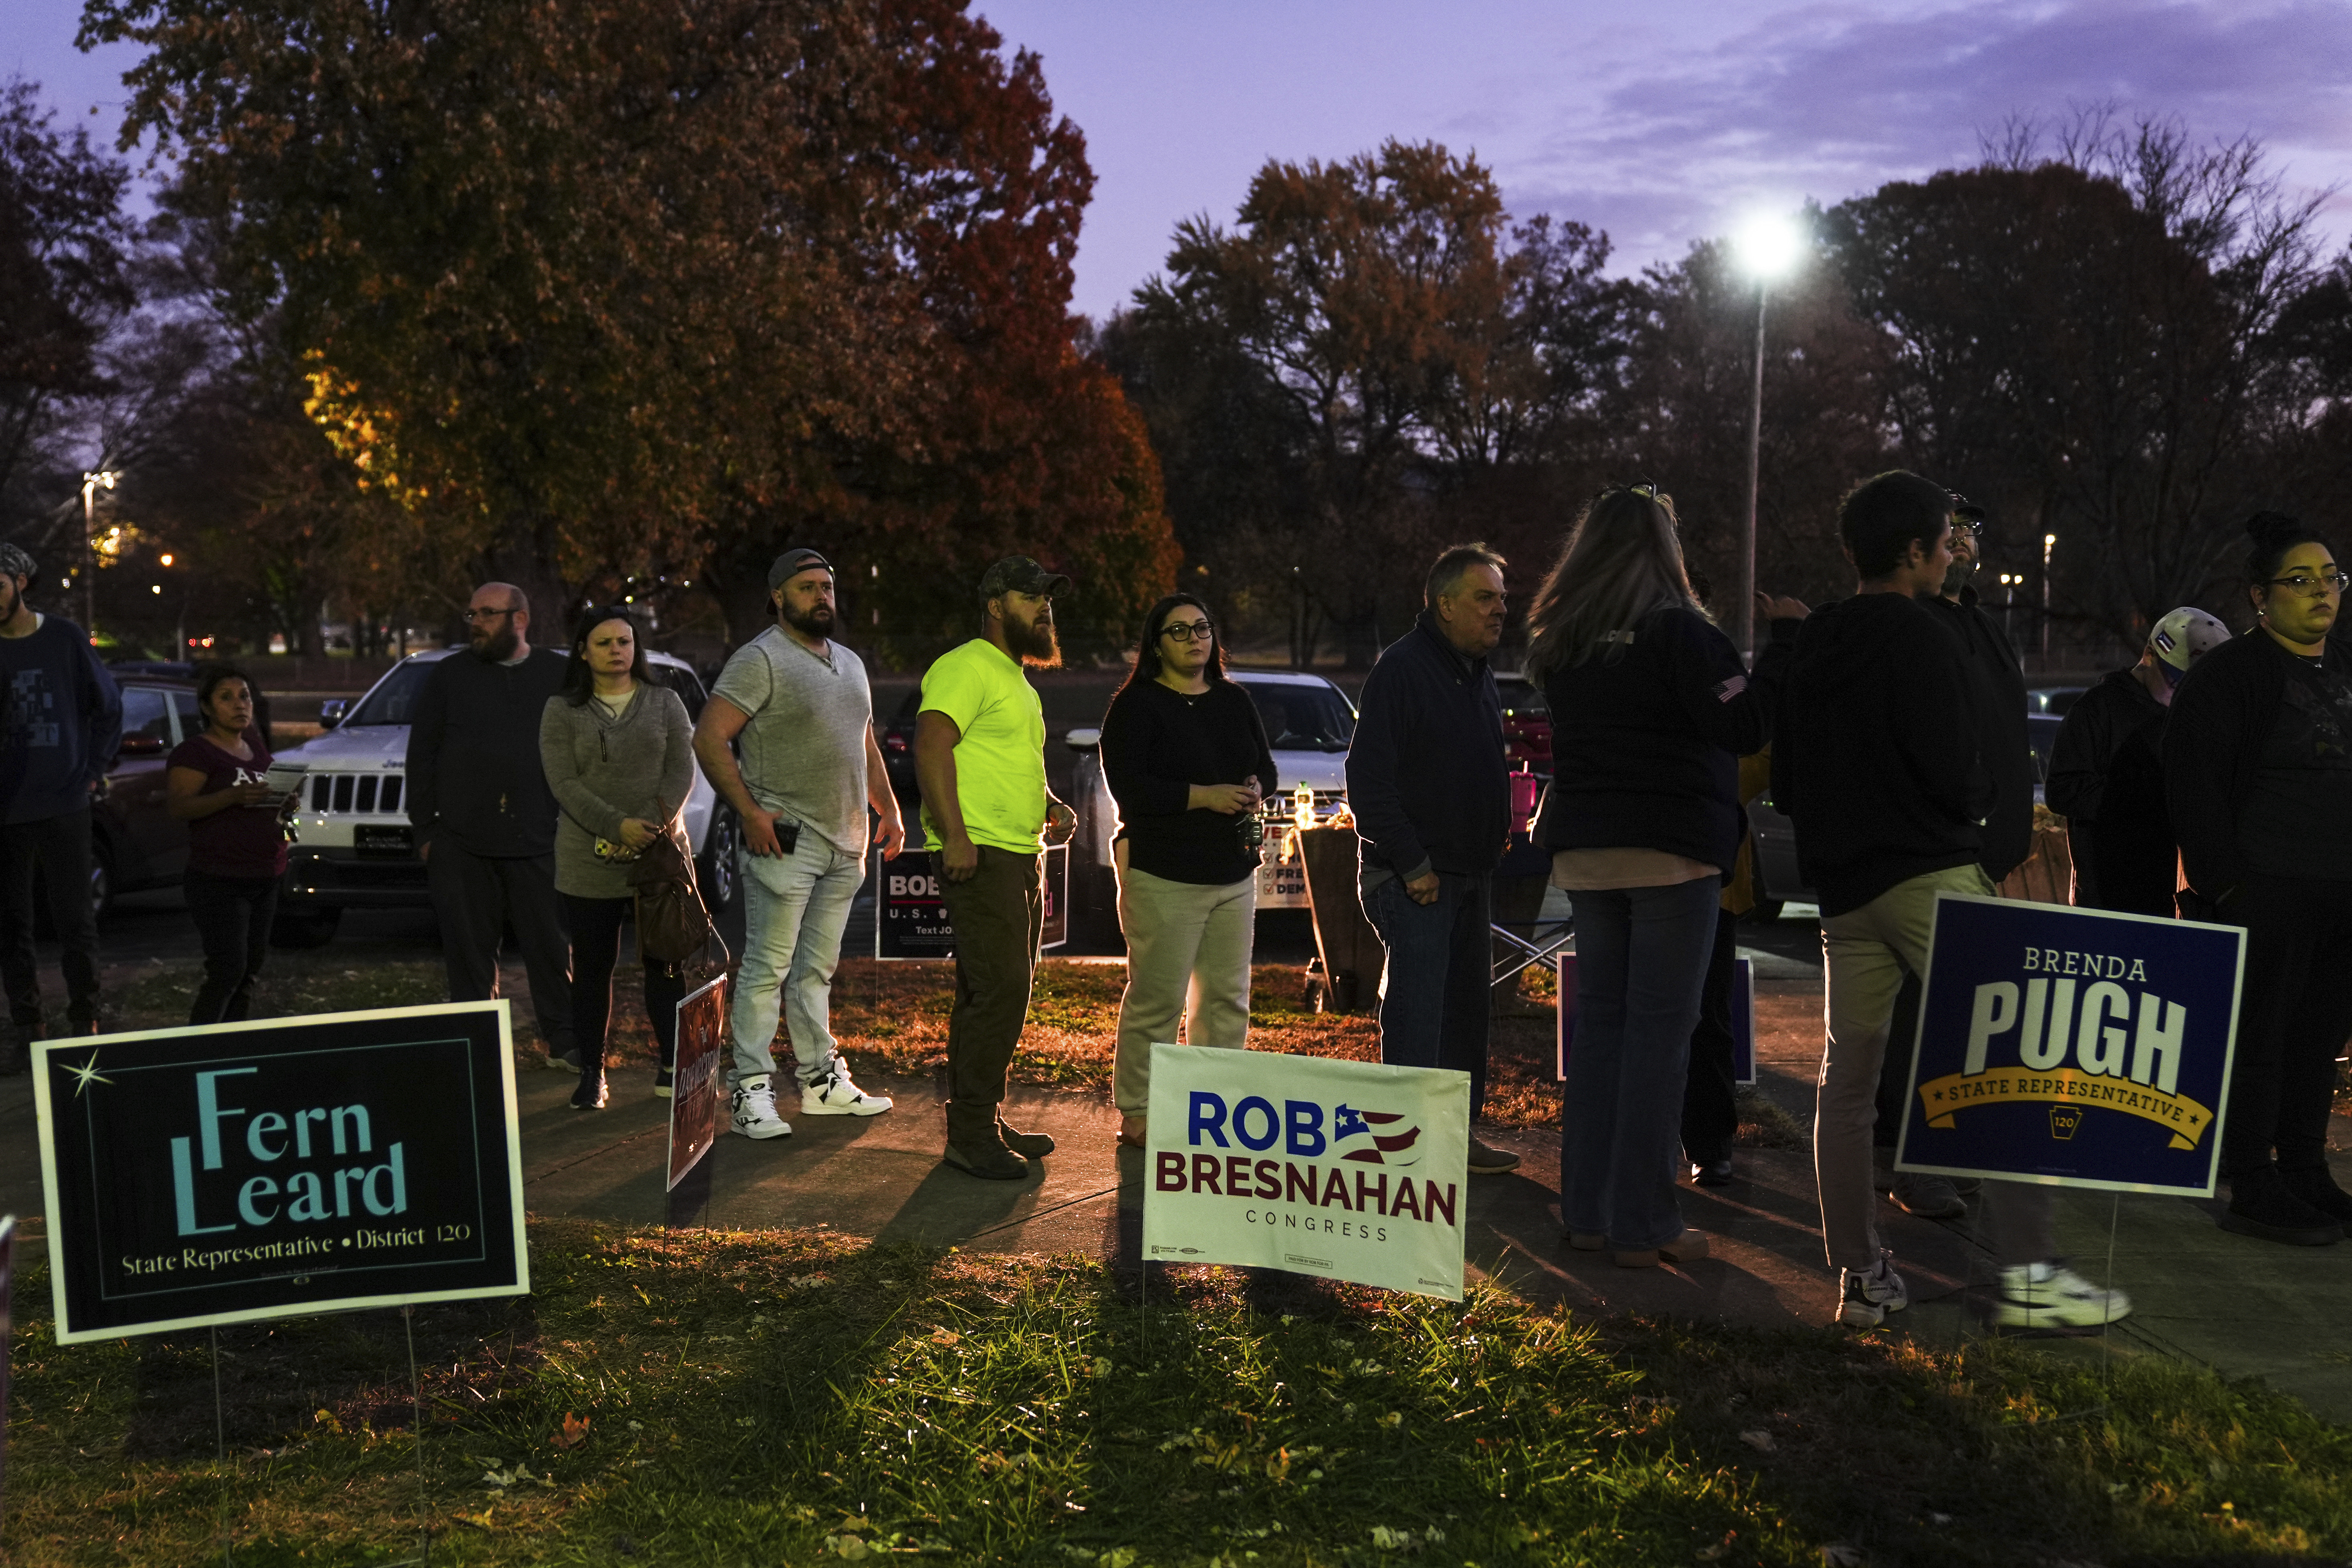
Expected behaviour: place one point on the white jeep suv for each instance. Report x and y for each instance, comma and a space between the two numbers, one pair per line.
356, 849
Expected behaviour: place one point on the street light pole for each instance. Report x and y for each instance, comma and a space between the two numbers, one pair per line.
91, 485
1766, 248
2049, 542
1743, 602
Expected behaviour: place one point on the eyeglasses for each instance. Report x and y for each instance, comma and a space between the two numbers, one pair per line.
2317, 587
473, 616
1963, 526
1189, 631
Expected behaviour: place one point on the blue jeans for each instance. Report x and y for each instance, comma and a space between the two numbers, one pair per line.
1640, 963
1434, 1007
795, 907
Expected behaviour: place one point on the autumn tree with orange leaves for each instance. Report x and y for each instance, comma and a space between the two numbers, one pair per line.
613, 290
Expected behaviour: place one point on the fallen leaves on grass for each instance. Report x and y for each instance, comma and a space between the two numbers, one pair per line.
573, 1431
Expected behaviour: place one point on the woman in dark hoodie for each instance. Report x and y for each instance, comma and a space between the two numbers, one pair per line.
1651, 711
2258, 780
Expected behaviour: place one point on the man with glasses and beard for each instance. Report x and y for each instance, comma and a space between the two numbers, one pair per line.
980, 759
797, 705
484, 815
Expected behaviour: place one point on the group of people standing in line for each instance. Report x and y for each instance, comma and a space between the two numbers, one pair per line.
2213, 778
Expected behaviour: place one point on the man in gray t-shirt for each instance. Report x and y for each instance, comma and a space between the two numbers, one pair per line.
797, 706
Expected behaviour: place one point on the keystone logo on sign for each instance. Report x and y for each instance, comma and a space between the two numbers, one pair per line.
2074, 1046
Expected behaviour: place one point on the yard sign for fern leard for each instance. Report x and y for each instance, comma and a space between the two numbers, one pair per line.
1345, 1170
2075, 1047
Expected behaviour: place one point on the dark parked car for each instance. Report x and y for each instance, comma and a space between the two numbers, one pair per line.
134, 845
1527, 725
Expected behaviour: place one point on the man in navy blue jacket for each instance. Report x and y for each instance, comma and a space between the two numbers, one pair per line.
1431, 792
60, 725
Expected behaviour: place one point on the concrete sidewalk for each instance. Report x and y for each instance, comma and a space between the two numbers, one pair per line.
2241, 1305
2244, 1307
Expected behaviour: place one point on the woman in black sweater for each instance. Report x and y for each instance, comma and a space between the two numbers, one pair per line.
1651, 711
1187, 761
2258, 780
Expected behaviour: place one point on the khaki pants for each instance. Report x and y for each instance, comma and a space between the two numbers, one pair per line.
1869, 950
1188, 951
999, 916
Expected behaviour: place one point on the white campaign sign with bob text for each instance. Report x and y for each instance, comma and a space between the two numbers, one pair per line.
1343, 1170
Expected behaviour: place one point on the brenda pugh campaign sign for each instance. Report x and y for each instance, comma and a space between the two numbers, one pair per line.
269, 1170
2073, 1046
698, 1080
1743, 1016
1345, 1170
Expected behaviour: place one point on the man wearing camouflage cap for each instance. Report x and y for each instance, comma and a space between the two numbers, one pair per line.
60, 725
980, 758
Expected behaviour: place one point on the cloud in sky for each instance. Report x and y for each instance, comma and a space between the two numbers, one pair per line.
1662, 123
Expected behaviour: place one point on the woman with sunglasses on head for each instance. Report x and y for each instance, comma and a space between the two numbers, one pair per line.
1651, 711
1187, 760
217, 782
619, 754
2258, 781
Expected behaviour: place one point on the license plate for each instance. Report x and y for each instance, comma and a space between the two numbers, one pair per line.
382, 841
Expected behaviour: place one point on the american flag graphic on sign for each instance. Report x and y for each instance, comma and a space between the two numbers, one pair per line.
1373, 1137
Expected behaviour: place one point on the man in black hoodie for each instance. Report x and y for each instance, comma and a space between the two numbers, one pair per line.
484, 815
2106, 772
1996, 698
1431, 792
1876, 760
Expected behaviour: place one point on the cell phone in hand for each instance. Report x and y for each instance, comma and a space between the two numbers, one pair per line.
788, 837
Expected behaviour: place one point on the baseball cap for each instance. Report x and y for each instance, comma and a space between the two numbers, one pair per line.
791, 564
2182, 636
1019, 574
17, 563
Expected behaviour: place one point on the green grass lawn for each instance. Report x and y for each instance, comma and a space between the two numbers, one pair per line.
790, 1397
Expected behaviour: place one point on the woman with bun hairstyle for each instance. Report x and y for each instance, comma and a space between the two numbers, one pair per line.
619, 754
2258, 781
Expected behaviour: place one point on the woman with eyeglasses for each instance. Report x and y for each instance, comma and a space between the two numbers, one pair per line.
1651, 711
1187, 760
619, 754
2258, 780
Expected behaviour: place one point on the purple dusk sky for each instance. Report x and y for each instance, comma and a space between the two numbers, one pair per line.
1662, 123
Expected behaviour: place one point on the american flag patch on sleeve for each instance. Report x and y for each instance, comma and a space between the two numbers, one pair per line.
1727, 690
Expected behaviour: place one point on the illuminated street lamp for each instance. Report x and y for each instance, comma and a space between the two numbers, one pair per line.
2049, 542
91, 485
1766, 248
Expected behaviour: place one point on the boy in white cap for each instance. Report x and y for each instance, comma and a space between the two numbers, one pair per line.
2107, 776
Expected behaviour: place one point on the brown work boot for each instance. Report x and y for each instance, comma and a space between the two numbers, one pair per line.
1028, 1145
976, 1144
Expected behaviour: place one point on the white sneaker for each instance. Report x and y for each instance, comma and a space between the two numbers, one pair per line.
835, 1095
2053, 1296
1869, 1294
755, 1111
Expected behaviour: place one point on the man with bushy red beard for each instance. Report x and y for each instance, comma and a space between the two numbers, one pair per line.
796, 705
980, 759
484, 815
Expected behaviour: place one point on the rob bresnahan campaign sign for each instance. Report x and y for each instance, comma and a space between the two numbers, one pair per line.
1345, 1170
2075, 1047
279, 1168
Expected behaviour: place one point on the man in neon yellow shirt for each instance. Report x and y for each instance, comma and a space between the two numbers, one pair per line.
980, 759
